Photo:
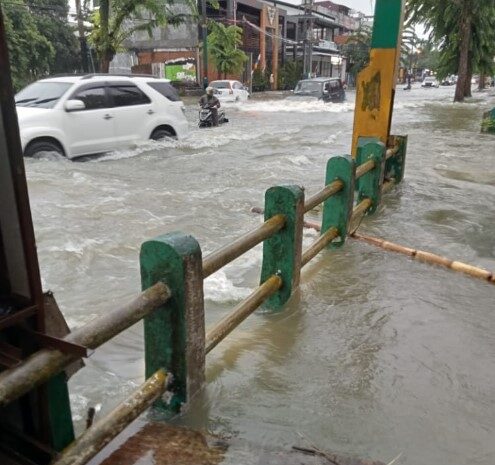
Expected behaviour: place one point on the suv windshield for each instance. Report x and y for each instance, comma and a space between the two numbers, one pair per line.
308, 87
42, 94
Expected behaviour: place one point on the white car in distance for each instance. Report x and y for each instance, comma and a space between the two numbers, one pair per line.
230, 91
83, 115
430, 81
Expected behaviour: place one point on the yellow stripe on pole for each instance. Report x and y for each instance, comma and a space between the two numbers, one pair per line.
375, 88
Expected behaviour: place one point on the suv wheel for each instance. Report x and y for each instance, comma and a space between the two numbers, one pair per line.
37, 147
161, 133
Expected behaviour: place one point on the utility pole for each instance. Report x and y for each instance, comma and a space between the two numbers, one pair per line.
82, 37
204, 34
308, 38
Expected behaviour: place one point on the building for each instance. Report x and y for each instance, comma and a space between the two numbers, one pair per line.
273, 33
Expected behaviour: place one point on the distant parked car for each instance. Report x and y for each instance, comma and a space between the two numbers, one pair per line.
322, 88
430, 81
448, 81
82, 115
230, 91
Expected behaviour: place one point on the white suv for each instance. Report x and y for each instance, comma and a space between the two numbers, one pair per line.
81, 115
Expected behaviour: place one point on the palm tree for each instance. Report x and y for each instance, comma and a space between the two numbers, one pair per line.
116, 20
357, 49
465, 30
222, 48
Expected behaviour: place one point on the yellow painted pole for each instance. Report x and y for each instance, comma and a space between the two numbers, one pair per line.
375, 85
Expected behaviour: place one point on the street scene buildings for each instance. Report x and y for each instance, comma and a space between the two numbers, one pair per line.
273, 33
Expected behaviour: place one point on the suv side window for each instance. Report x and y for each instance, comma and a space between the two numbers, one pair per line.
94, 98
166, 89
124, 95
335, 84
238, 85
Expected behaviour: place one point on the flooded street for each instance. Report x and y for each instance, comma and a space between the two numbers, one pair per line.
377, 355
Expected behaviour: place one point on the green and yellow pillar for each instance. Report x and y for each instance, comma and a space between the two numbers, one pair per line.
375, 86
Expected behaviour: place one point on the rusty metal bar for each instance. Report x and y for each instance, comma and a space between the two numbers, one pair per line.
323, 195
364, 168
225, 326
336, 186
103, 431
387, 186
360, 208
46, 363
221, 257
317, 246
391, 152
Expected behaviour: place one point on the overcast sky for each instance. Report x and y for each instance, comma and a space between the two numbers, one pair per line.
366, 6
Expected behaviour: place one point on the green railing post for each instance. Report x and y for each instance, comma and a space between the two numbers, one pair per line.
369, 185
282, 252
175, 333
337, 209
60, 416
394, 166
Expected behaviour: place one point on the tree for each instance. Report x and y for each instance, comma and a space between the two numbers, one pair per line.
357, 49
222, 47
30, 52
465, 30
51, 20
116, 20
290, 73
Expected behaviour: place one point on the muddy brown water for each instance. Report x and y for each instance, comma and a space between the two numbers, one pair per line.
376, 355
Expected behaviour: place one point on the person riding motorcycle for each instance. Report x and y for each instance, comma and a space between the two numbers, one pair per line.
210, 102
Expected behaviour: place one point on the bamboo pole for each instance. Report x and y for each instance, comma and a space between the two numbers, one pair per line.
44, 364
225, 326
221, 257
94, 439
428, 257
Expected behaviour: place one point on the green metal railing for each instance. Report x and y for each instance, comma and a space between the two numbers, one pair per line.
172, 306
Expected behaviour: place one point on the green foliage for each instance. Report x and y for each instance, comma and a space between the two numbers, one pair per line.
222, 48
116, 20
488, 125
260, 83
39, 39
357, 49
461, 28
289, 74
51, 20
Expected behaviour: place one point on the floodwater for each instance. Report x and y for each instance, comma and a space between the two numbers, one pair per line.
376, 356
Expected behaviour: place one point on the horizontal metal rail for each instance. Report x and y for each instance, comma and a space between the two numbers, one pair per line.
46, 363
361, 170
221, 257
317, 246
387, 185
102, 432
336, 186
323, 195
225, 326
361, 208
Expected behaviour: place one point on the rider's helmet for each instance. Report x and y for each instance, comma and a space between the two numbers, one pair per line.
210, 90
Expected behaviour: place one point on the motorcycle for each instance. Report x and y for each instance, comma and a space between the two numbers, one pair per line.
205, 117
